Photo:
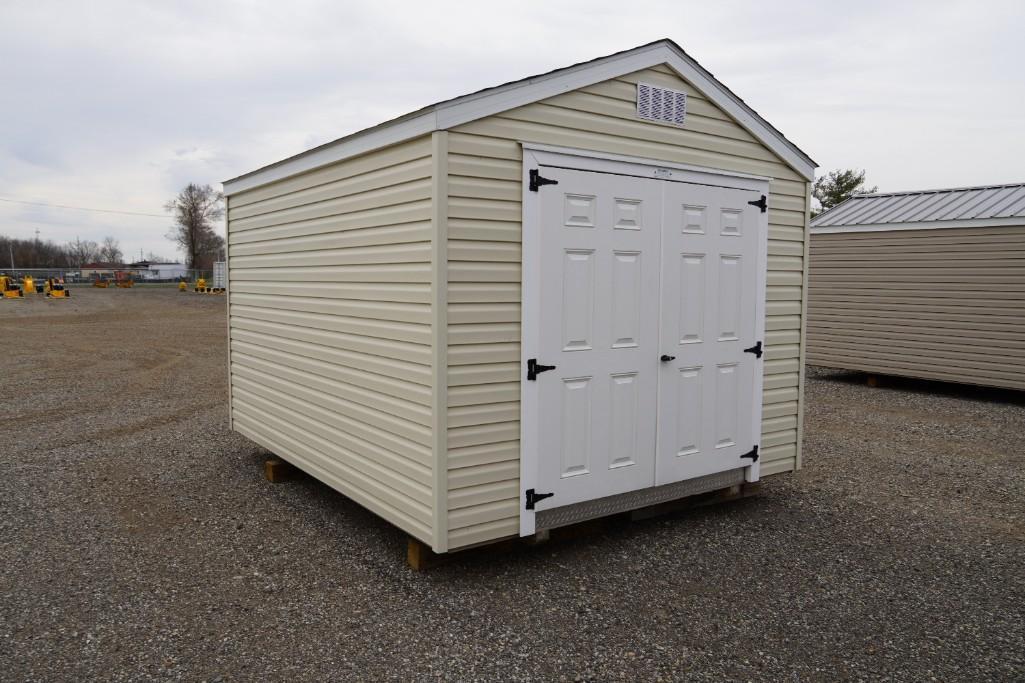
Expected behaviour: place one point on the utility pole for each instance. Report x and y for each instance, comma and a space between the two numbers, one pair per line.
10, 250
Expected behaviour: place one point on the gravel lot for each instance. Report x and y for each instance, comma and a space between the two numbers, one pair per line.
139, 540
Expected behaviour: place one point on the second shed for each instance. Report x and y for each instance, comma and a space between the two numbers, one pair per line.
926, 284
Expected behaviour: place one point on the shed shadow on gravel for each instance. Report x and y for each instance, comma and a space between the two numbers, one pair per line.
968, 392
587, 541
578, 543
309, 506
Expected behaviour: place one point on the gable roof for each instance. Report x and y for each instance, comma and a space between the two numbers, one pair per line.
958, 207
477, 105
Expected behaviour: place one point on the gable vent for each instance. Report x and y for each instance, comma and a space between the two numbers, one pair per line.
661, 104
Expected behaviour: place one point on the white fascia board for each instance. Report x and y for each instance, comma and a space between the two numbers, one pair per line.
923, 225
477, 106
543, 87
354, 145
465, 110
729, 103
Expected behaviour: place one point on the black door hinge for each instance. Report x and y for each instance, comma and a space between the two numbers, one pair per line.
756, 350
752, 454
533, 498
762, 203
537, 181
534, 368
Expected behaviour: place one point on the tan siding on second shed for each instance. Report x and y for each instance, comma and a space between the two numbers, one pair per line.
331, 327
946, 304
484, 276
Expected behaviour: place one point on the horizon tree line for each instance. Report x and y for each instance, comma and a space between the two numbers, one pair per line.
194, 211
36, 253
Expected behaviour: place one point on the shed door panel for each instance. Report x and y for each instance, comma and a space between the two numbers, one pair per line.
710, 273
600, 236
634, 270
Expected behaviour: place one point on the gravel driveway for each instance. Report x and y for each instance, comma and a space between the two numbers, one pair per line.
138, 540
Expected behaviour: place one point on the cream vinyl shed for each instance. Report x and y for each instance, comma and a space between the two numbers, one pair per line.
563, 297
926, 284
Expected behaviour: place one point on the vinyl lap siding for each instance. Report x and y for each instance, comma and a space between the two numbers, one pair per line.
945, 304
330, 326
484, 276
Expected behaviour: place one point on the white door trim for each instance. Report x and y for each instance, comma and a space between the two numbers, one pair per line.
753, 472
587, 160
535, 156
530, 338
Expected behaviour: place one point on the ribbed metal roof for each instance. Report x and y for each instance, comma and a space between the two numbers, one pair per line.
955, 204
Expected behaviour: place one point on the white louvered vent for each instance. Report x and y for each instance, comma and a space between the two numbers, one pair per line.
661, 104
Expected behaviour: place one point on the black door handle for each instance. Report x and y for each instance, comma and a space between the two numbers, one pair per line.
666, 358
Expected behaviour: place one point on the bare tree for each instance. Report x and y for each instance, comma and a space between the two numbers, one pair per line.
195, 209
36, 253
81, 252
110, 250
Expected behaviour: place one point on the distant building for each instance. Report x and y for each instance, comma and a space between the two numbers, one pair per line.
102, 268
166, 271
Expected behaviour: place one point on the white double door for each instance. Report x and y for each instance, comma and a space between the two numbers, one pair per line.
648, 297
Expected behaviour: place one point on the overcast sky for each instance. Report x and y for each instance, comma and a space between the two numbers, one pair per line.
117, 105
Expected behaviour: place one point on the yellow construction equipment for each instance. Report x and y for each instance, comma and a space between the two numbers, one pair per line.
100, 282
55, 288
9, 288
28, 285
202, 288
183, 286
123, 279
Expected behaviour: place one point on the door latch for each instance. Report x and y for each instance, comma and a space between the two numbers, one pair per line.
756, 350
534, 368
533, 498
666, 358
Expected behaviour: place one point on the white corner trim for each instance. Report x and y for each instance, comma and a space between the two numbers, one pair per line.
227, 308
921, 225
802, 353
503, 98
439, 339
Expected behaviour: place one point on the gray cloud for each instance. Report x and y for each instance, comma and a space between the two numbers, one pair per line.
119, 104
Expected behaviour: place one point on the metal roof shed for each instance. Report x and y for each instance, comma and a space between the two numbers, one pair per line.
927, 284
534, 304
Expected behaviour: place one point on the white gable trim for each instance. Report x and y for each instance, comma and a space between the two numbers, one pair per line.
503, 98
745, 116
